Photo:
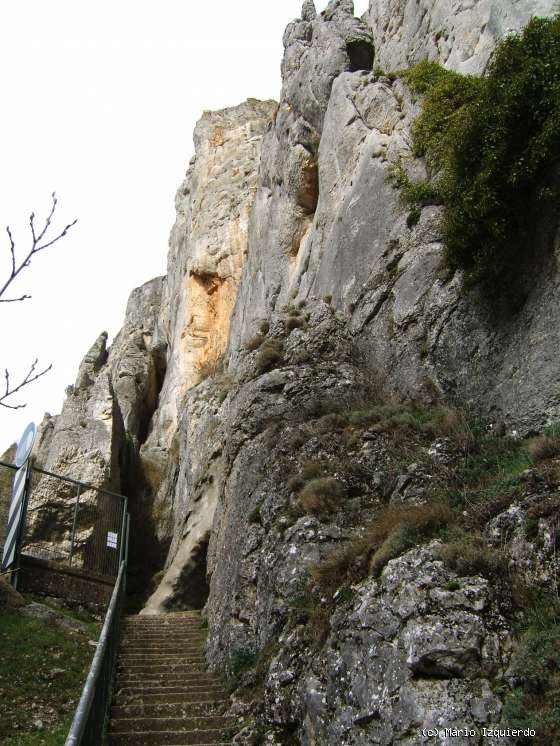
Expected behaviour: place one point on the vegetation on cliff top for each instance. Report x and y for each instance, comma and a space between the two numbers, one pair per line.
494, 142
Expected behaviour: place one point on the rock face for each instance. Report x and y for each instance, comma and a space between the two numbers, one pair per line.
407, 654
114, 395
208, 249
124, 418
296, 291
461, 34
421, 331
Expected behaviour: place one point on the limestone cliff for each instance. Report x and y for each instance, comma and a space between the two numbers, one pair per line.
305, 378
461, 34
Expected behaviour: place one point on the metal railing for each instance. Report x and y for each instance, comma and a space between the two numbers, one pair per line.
73, 523
91, 717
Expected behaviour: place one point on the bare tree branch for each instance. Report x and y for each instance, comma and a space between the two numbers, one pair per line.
35, 248
29, 378
14, 300
39, 242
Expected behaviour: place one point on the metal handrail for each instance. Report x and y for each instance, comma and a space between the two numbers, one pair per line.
89, 721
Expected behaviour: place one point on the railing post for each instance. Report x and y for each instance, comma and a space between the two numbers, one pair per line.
127, 537
123, 538
74, 523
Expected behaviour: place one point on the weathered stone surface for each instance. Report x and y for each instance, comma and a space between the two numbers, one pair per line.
47, 614
137, 360
421, 331
461, 34
317, 51
528, 530
208, 247
113, 398
404, 655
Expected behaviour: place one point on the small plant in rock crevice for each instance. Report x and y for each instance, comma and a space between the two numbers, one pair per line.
270, 356
469, 554
544, 447
322, 495
241, 661
294, 322
253, 343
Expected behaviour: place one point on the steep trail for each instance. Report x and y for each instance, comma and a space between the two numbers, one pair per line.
163, 695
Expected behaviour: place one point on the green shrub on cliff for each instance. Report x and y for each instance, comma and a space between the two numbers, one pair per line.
495, 143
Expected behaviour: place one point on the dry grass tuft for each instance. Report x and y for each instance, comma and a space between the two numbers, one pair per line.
543, 447
254, 343
311, 469
469, 554
294, 322
397, 528
322, 495
269, 357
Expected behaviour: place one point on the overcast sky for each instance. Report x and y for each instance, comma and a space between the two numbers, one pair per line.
99, 104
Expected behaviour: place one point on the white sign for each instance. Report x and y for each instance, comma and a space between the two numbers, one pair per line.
112, 539
25, 444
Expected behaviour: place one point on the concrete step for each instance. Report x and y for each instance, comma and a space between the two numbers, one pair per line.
155, 667
187, 629
177, 738
164, 625
162, 633
158, 654
146, 642
167, 632
163, 639
174, 724
142, 618
169, 648
183, 684
188, 688
148, 646
210, 695
189, 676
166, 709
139, 639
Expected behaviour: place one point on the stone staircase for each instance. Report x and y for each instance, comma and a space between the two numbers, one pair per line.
162, 693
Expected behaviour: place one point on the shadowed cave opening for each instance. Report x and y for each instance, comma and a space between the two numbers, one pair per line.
158, 370
191, 590
361, 55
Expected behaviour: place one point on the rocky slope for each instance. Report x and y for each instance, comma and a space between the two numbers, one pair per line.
288, 386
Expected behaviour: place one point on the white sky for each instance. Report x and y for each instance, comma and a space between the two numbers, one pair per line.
99, 104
